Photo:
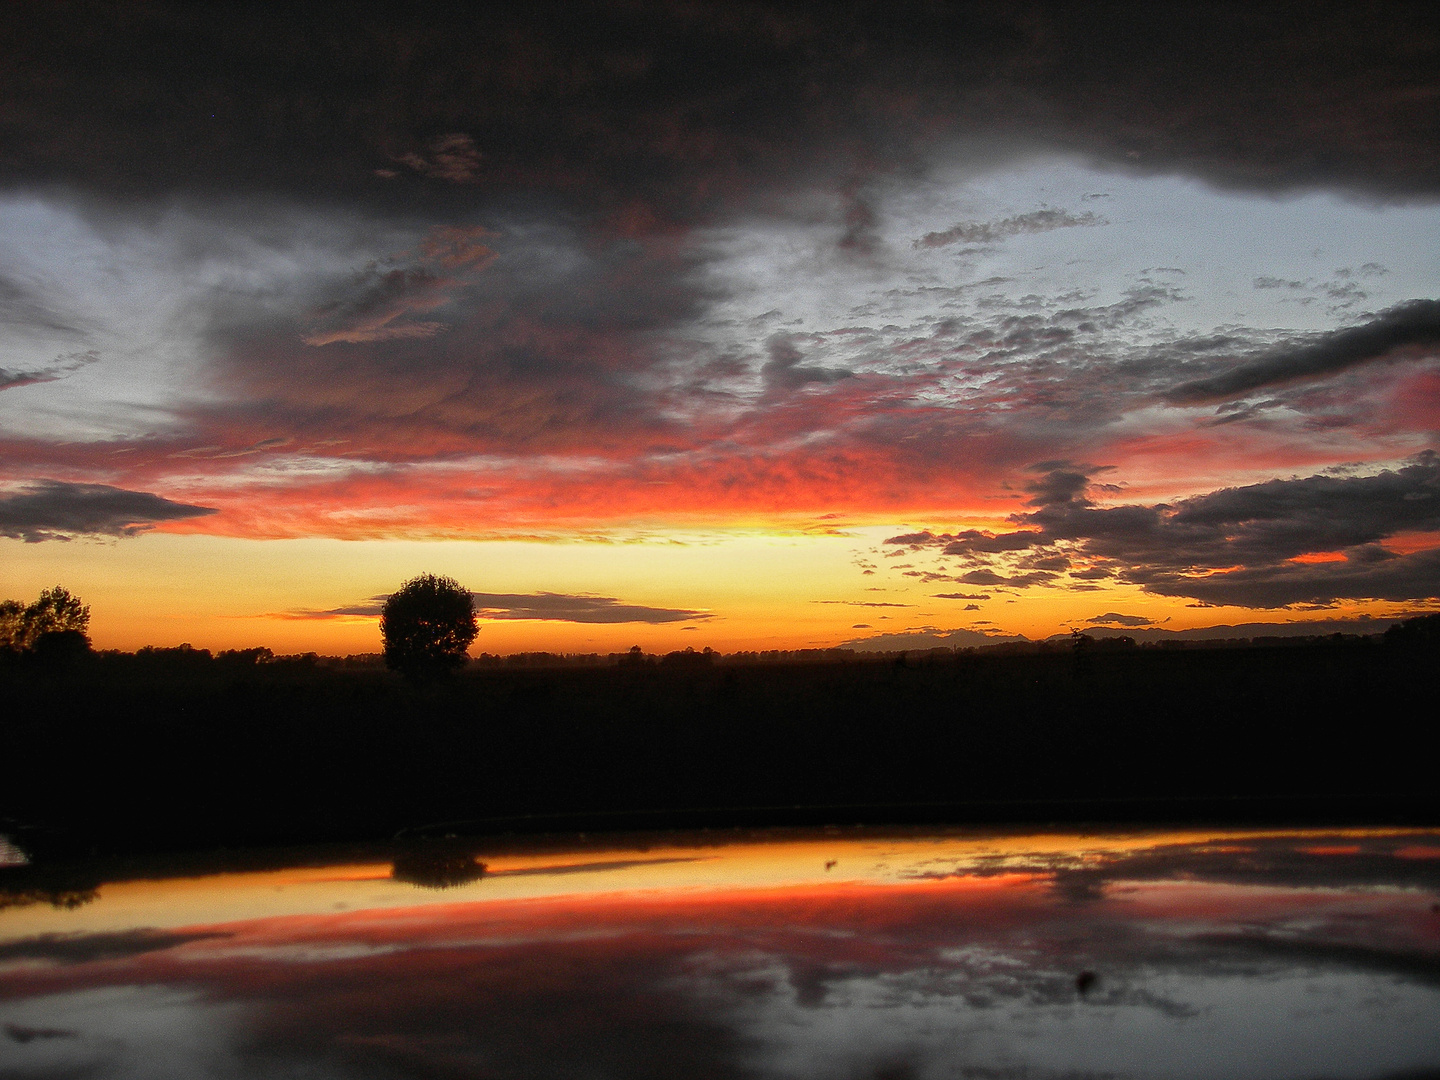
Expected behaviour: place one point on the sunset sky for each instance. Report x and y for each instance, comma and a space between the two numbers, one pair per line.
747, 326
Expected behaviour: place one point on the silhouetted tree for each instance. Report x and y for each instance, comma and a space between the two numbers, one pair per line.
427, 625
1081, 646
54, 626
1421, 632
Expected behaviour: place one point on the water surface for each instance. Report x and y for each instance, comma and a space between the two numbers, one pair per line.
1209, 953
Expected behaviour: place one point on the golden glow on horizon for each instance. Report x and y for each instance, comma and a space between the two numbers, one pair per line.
763, 589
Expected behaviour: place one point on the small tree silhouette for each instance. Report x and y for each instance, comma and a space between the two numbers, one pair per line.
427, 625
437, 868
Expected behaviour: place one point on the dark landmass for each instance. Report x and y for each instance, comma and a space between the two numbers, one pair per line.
173, 749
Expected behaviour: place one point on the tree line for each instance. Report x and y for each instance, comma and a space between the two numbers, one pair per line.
428, 625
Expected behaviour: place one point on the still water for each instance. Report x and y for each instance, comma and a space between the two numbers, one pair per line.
1209, 953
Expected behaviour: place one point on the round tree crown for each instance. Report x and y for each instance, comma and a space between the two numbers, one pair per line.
427, 625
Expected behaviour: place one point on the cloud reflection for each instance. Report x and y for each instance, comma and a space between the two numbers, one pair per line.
1242, 954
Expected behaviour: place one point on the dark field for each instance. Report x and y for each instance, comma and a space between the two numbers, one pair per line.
127, 753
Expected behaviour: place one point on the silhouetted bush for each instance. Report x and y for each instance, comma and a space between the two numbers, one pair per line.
689, 658
56, 649
246, 658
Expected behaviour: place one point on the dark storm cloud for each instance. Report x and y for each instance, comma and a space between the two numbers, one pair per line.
554, 607
62, 366
785, 372
1237, 545
679, 105
990, 232
473, 341
1282, 543
1403, 577
594, 143
376, 308
917, 539
1260, 523
1414, 325
452, 157
55, 510
1060, 483
971, 541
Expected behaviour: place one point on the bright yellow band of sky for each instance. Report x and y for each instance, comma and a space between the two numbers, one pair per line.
762, 590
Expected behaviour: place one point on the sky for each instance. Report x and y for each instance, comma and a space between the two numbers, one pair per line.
747, 326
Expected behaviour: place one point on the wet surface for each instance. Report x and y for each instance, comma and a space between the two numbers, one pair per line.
823, 954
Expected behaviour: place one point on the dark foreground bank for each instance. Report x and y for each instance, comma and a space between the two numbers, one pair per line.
116, 753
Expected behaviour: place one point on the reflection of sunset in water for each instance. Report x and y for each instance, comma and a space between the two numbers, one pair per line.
1219, 953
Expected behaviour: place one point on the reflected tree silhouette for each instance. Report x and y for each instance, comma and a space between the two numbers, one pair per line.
68, 900
63, 886
437, 867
